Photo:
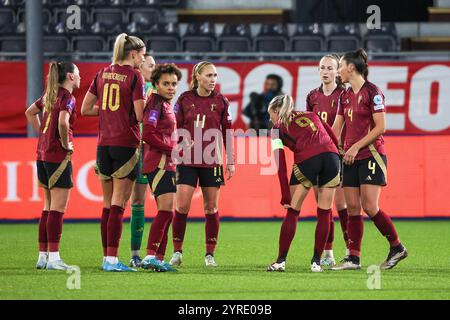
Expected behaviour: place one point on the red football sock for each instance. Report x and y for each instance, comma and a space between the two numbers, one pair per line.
157, 229
54, 230
287, 233
355, 234
162, 248
322, 230
178, 230
104, 229
384, 224
343, 219
114, 230
211, 232
42, 238
329, 244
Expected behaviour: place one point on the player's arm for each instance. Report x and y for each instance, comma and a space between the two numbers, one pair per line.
32, 114
139, 96
330, 133
89, 108
227, 135
280, 161
151, 134
63, 129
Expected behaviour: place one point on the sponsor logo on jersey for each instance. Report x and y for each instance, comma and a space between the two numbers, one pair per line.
153, 116
71, 105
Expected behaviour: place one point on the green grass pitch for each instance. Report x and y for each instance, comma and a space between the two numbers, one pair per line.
244, 251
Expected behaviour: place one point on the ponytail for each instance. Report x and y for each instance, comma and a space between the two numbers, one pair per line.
285, 104
197, 71
57, 74
359, 59
124, 45
51, 90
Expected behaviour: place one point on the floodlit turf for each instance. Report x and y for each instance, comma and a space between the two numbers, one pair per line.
245, 249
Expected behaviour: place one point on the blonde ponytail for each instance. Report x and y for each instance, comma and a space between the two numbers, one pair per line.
124, 45
52, 85
285, 104
197, 71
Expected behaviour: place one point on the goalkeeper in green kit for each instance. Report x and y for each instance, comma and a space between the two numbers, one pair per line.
140, 187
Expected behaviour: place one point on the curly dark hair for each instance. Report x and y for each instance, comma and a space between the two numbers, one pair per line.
161, 69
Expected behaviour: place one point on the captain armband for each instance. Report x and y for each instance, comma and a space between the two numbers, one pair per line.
277, 144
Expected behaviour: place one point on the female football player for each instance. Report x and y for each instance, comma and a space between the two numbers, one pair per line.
55, 147
362, 110
120, 90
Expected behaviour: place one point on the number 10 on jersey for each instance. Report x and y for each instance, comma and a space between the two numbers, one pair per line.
111, 96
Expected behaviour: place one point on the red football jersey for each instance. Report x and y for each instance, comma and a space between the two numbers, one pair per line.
197, 114
306, 136
49, 145
357, 110
158, 135
324, 106
116, 88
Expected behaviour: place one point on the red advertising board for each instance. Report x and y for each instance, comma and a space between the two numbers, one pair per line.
417, 95
418, 186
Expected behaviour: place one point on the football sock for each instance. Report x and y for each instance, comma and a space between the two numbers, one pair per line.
54, 230
112, 259
137, 227
329, 243
343, 219
384, 224
211, 232
178, 230
53, 256
287, 233
114, 230
104, 229
42, 234
157, 229
162, 248
329, 253
43, 254
355, 234
322, 231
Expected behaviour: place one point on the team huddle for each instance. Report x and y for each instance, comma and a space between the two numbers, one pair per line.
337, 144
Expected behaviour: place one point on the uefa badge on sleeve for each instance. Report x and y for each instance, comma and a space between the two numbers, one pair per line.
378, 101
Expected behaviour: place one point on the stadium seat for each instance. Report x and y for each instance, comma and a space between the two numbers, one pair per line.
199, 37
272, 38
163, 37
142, 3
88, 44
381, 40
109, 17
7, 19
46, 16
13, 44
12, 3
235, 38
308, 37
56, 44
344, 37
143, 16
